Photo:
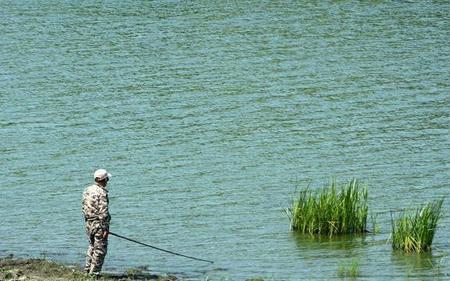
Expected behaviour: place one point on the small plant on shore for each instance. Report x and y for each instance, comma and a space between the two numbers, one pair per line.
351, 271
335, 209
133, 272
414, 233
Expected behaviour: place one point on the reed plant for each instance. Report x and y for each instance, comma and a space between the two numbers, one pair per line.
351, 271
334, 209
414, 233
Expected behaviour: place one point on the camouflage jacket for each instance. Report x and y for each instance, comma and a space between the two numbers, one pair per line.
95, 205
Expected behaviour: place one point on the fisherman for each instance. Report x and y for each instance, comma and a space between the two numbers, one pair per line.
97, 218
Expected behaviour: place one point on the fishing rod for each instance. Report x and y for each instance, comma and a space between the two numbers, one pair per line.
156, 248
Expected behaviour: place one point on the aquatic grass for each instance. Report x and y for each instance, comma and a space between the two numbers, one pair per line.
374, 222
351, 270
414, 233
334, 209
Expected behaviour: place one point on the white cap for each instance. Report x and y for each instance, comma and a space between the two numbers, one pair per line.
101, 174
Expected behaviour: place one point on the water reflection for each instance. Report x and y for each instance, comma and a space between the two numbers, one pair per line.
420, 265
342, 245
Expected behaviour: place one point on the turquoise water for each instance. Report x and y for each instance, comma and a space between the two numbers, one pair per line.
209, 115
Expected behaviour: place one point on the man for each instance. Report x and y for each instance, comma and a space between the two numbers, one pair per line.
97, 218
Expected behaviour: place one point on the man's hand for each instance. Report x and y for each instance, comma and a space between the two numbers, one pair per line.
105, 234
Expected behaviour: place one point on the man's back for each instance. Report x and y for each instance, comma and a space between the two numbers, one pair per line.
95, 203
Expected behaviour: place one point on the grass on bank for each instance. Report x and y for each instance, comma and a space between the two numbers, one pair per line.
38, 269
414, 233
335, 209
44, 270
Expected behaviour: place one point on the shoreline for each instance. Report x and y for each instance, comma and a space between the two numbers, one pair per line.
38, 269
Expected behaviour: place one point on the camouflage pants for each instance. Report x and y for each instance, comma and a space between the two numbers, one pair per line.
98, 246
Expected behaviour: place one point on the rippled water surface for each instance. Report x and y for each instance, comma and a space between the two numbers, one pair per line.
209, 115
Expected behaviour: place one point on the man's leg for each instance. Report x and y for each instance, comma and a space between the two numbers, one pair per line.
89, 253
98, 252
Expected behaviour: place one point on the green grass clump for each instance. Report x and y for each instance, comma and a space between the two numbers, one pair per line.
414, 233
351, 270
335, 209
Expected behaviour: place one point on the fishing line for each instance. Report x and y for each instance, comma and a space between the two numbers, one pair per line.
159, 249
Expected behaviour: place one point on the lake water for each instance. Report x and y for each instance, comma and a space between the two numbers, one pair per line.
209, 115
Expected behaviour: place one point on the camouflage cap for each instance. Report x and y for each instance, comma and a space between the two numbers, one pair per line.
101, 174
